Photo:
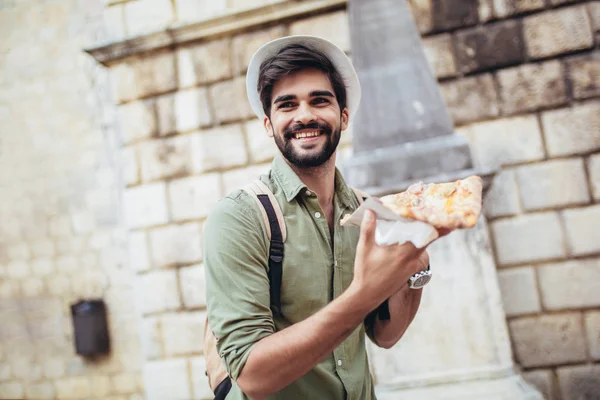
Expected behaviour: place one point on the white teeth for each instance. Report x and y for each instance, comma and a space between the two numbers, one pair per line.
306, 134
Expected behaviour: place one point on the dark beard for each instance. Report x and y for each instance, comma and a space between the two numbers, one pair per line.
284, 143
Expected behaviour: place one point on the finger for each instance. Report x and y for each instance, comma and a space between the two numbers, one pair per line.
367, 228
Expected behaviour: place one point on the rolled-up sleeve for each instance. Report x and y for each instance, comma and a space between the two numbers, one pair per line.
237, 283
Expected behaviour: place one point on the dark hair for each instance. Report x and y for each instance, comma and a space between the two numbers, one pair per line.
293, 58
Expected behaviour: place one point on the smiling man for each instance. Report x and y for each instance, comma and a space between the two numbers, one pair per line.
334, 278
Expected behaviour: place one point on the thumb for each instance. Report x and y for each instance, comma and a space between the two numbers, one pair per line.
367, 228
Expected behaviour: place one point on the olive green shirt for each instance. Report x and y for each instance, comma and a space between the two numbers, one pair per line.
317, 268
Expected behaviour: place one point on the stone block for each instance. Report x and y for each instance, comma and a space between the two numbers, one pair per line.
176, 244
151, 338
114, 22
554, 183
245, 45
139, 259
11, 390
17, 270
594, 9
40, 391
42, 248
146, 205
42, 267
181, 333
123, 81
548, 340
592, 327
19, 251
572, 130
421, 12
165, 114
154, 74
450, 14
332, 26
505, 141
193, 286
262, 148
32, 287
159, 291
199, 10
579, 382
505, 8
73, 388
191, 109
204, 63
543, 380
440, 55
593, 166
531, 237
147, 16
228, 139
131, 169
193, 197
494, 46
532, 86
229, 101
166, 158
502, 198
584, 75
137, 120
558, 31
101, 386
125, 383
571, 284
519, 291
581, 227
167, 379
238, 178
471, 99
200, 385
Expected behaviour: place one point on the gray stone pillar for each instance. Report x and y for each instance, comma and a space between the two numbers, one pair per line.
458, 346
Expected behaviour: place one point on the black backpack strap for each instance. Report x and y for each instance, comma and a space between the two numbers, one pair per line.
275, 254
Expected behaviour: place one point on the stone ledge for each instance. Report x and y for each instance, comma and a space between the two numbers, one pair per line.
177, 34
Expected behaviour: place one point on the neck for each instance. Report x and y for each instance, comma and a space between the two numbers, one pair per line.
320, 180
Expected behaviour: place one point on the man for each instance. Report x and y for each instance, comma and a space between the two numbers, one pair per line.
334, 278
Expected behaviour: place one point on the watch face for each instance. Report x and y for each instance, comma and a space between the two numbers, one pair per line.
421, 281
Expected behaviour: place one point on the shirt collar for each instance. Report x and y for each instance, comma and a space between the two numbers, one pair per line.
292, 185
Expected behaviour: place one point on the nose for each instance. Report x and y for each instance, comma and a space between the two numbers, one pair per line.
304, 114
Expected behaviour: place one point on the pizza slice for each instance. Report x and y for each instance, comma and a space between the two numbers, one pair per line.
452, 205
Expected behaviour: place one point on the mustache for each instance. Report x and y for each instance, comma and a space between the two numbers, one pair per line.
290, 131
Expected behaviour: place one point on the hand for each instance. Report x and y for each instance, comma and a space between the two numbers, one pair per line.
380, 271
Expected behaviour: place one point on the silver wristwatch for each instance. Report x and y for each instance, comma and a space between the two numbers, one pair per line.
420, 279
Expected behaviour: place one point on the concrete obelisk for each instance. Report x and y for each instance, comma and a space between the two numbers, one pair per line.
458, 346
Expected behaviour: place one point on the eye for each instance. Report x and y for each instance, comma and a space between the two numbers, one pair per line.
321, 100
286, 104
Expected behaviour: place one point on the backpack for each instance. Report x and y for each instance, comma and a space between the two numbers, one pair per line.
218, 379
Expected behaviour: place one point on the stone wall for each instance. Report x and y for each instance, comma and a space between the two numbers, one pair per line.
61, 232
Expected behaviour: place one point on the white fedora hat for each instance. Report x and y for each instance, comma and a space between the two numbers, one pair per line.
338, 58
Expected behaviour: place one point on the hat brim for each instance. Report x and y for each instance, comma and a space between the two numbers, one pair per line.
337, 56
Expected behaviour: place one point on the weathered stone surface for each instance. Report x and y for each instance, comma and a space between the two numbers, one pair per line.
494, 46
592, 327
204, 63
191, 109
125, 383
594, 171
114, 22
167, 379
572, 284
151, 338
139, 259
192, 284
502, 198
504, 8
131, 169
176, 244
581, 228
440, 55
137, 120
449, 14
123, 81
73, 388
200, 385
244, 46
554, 183
193, 197
229, 101
543, 380
548, 339
101, 386
531, 237
147, 16
165, 114
146, 205
159, 291
579, 382
40, 391
572, 130
154, 74
180, 333
11, 390
262, 148
229, 139
532, 86
584, 75
594, 9
421, 12
238, 178
558, 31
471, 99
519, 291
165, 158
332, 26
198, 10
505, 141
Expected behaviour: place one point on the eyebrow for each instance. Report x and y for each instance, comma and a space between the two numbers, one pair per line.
314, 93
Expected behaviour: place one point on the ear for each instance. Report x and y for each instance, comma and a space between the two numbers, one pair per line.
268, 126
345, 118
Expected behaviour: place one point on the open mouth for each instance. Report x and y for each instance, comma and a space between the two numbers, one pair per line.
307, 135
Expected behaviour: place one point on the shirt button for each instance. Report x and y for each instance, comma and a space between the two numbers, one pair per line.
340, 363
317, 215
